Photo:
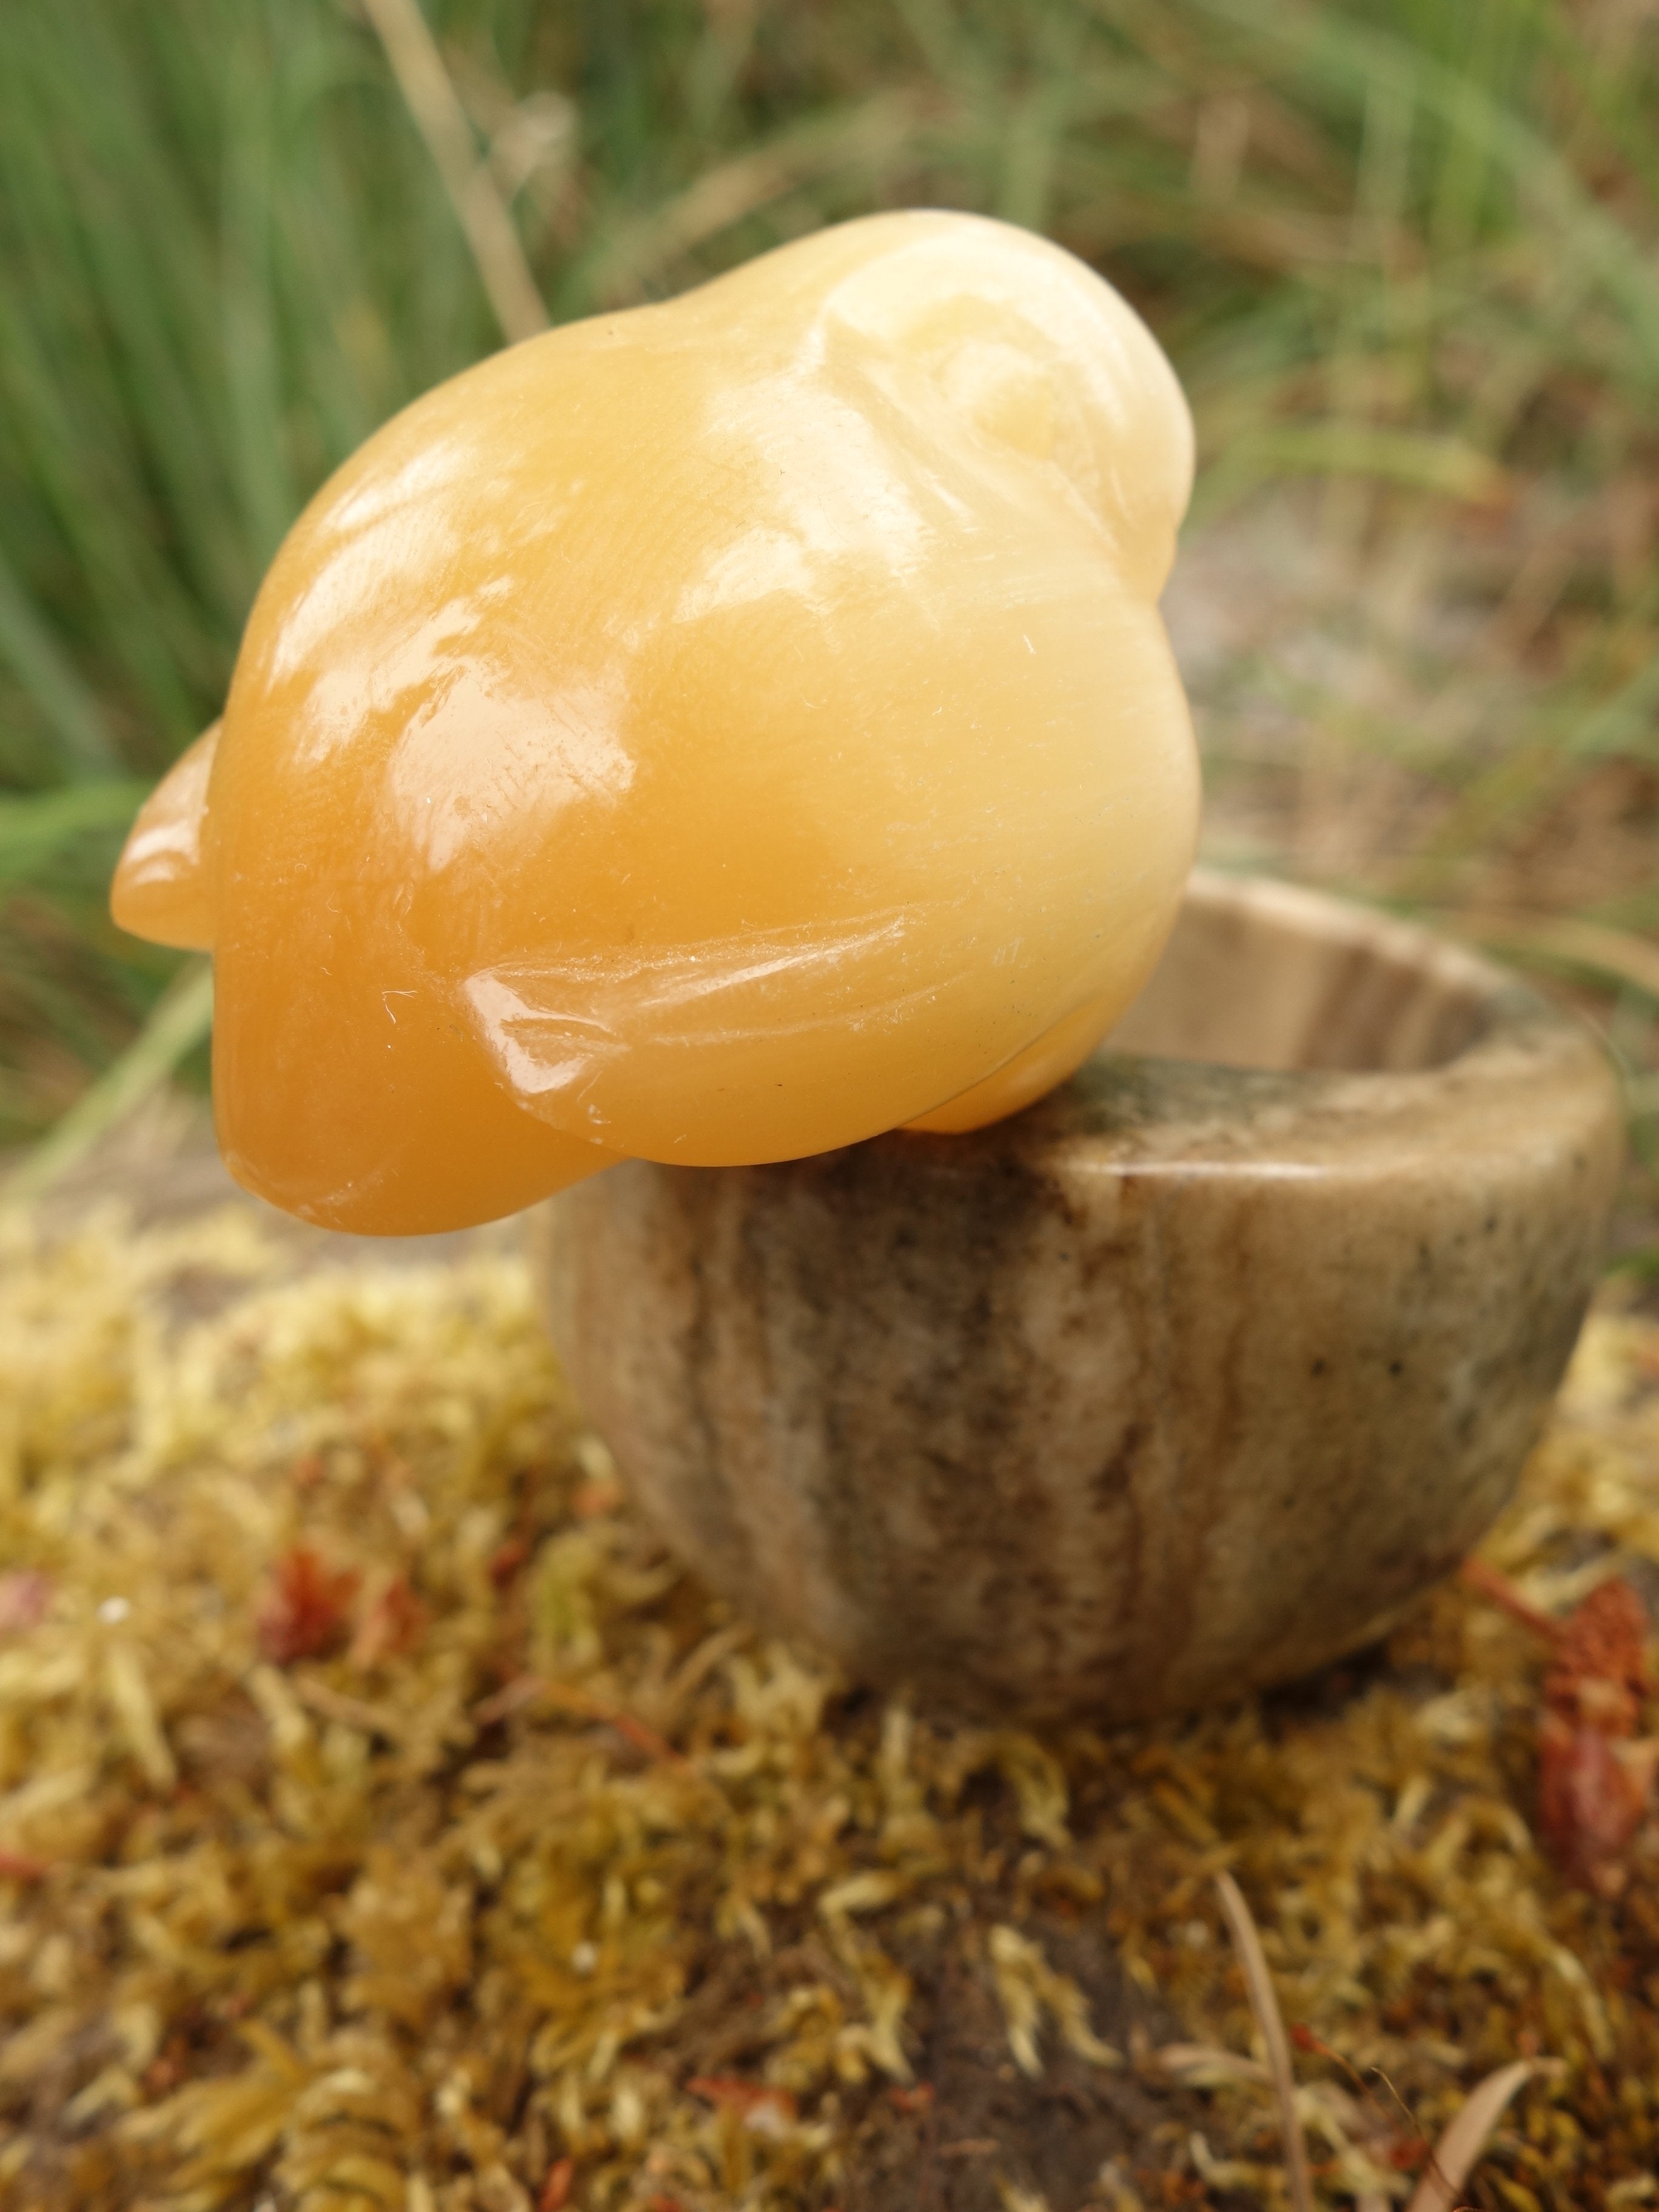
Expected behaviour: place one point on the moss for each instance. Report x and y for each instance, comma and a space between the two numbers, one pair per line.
541, 1879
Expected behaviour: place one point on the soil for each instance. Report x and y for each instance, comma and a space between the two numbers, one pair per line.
986, 2131
971, 2133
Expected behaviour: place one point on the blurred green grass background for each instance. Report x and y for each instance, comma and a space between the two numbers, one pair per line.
1403, 252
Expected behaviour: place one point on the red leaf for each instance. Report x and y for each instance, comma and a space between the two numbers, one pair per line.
507, 1558
304, 1613
393, 1622
1595, 1782
1601, 1654
592, 1501
763, 2108
1593, 1796
24, 1597
555, 2190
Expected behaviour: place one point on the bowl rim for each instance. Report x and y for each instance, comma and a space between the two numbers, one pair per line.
1530, 1080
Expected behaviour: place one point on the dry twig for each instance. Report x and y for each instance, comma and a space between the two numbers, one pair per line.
179, 1021
1264, 2004
1452, 2158
330, 1704
570, 1697
433, 101
1464, 2140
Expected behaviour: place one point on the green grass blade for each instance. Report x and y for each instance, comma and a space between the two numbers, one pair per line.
36, 832
67, 703
182, 1018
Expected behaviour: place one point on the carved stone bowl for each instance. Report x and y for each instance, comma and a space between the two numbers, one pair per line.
1182, 1382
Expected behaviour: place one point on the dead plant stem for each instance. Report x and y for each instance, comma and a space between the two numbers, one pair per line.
432, 99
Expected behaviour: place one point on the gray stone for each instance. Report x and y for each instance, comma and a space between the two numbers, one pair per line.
1182, 1382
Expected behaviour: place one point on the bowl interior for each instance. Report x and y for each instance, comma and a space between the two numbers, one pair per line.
1260, 975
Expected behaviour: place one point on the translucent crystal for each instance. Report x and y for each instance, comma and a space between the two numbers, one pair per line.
716, 734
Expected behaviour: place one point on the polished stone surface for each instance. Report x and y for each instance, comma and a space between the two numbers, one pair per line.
1182, 1382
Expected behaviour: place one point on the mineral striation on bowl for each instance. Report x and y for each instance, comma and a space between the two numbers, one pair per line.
1182, 1382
